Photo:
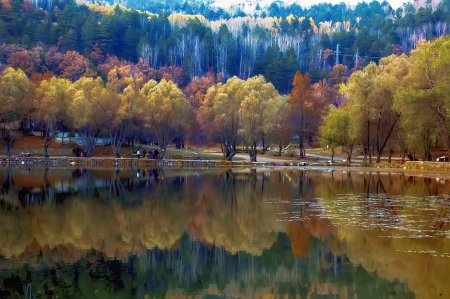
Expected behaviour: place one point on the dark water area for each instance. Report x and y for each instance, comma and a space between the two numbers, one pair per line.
177, 233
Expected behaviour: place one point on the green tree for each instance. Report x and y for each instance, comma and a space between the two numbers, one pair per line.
423, 98
336, 131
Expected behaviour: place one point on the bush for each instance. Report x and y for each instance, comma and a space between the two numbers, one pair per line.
367, 164
290, 154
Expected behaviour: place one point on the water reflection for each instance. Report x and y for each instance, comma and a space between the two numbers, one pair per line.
135, 233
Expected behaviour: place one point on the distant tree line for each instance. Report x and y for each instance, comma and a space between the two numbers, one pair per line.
275, 46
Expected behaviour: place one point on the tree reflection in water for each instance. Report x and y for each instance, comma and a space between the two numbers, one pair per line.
130, 233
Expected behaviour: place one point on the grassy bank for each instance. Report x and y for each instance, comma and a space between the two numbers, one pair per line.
412, 165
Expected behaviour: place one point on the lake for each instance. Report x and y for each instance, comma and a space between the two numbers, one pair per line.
213, 233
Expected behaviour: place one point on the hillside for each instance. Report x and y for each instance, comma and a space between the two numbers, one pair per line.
288, 38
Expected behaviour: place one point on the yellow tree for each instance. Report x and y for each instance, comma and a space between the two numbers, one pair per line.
125, 111
337, 76
16, 103
52, 100
91, 110
359, 89
254, 112
220, 114
391, 71
165, 110
276, 125
128, 80
123, 76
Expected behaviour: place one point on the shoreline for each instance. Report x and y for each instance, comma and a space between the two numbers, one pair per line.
111, 162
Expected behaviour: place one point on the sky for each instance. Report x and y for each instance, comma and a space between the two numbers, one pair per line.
304, 3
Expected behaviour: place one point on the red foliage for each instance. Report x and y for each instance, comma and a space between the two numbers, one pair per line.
27, 6
96, 55
7, 50
73, 66
37, 78
5, 4
22, 60
175, 73
196, 90
53, 59
397, 49
108, 64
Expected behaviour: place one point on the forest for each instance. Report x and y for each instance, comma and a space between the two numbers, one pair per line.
100, 70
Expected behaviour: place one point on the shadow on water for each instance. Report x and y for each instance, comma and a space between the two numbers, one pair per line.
96, 233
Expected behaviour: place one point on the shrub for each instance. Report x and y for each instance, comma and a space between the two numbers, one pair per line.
290, 154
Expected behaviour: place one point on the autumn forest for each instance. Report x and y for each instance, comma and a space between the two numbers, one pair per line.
369, 78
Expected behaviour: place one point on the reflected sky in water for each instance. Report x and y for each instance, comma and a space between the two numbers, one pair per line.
106, 233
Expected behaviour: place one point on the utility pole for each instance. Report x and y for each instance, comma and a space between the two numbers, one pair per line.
337, 54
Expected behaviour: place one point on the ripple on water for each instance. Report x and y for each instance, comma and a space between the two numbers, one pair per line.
412, 217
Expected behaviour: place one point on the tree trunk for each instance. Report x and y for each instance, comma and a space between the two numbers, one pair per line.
46, 150
381, 147
332, 156
230, 153
230, 150
349, 155
301, 141
264, 147
9, 148
163, 148
9, 142
117, 139
391, 152
90, 143
368, 141
378, 157
47, 142
253, 152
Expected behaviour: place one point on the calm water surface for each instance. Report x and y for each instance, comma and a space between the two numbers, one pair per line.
75, 233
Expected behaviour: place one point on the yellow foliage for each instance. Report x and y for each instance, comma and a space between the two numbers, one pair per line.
109, 9
180, 20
